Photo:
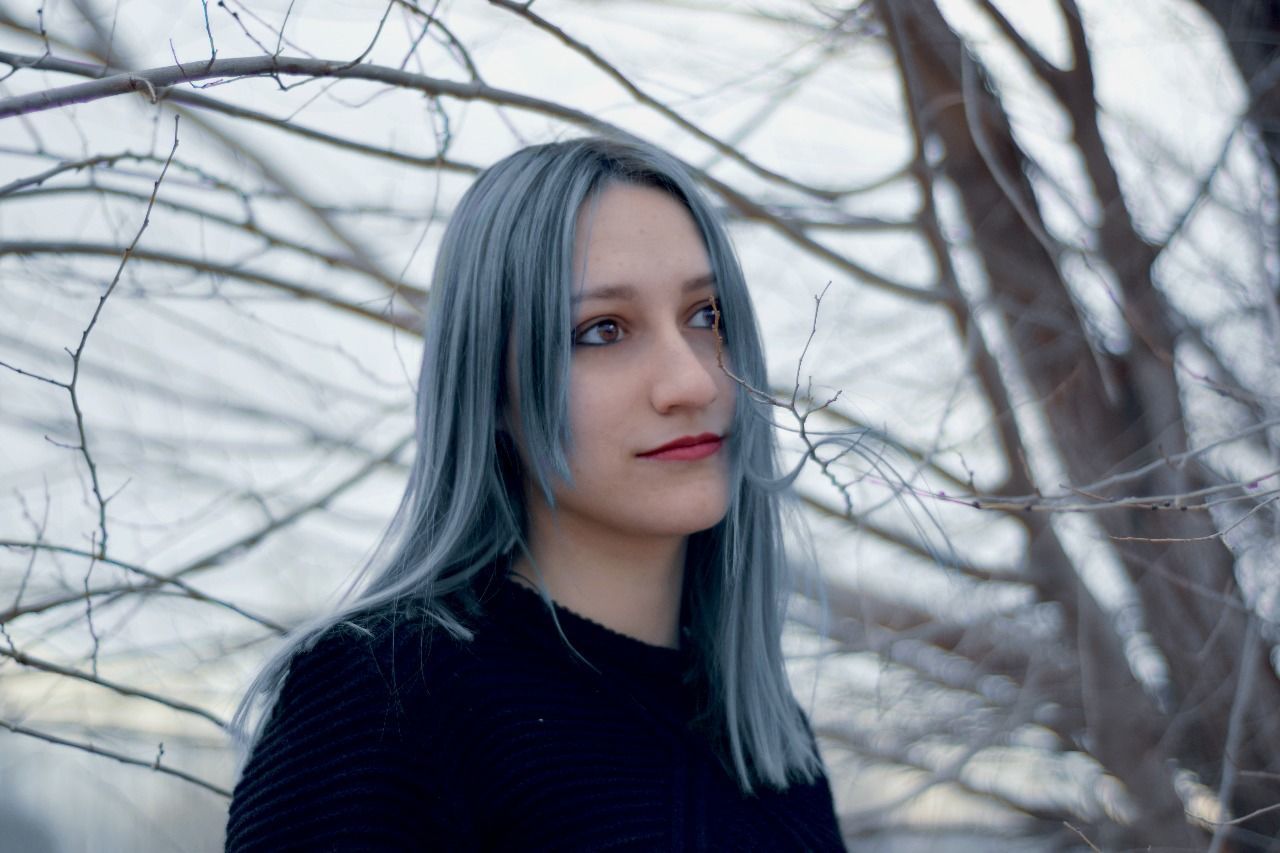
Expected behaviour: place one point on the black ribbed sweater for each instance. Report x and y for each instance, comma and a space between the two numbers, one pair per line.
408, 739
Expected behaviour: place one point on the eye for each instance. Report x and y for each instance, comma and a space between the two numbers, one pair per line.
705, 317
605, 332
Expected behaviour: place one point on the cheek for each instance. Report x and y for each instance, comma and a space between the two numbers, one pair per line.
728, 387
598, 413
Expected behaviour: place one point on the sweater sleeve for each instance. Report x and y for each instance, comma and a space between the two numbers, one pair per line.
334, 768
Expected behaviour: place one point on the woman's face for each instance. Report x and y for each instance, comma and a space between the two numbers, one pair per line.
644, 372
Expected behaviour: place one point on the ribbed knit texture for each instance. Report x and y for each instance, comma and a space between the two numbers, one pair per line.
412, 740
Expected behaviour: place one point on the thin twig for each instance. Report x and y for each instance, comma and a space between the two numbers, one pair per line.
248, 224
1218, 535
1246, 674
525, 11
116, 756
163, 79
154, 579
215, 558
1083, 837
122, 689
84, 339
405, 322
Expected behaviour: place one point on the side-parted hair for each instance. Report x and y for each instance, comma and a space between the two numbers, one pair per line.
504, 276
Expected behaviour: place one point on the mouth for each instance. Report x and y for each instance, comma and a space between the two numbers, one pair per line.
686, 448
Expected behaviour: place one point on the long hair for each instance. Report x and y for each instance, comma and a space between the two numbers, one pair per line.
504, 275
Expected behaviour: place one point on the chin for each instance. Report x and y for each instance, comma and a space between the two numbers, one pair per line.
682, 521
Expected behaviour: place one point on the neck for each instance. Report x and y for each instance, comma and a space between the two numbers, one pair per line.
632, 585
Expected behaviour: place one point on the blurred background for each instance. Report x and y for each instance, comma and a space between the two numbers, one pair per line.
1028, 248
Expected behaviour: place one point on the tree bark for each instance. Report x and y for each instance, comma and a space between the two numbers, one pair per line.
1108, 412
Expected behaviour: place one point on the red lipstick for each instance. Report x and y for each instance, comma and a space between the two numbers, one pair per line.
686, 448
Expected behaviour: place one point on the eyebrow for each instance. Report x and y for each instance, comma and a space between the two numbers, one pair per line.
626, 291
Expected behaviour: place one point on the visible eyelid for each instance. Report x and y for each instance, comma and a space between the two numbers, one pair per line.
587, 325
715, 308
596, 321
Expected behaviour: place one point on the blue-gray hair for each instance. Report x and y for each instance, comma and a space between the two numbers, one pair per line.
504, 275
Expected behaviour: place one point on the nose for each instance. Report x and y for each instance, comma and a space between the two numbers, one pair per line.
682, 374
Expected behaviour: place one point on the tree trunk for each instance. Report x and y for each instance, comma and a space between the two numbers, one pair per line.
1108, 412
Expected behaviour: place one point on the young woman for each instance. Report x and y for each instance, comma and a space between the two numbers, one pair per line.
569, 637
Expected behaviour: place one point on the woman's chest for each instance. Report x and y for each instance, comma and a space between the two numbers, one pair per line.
590, 766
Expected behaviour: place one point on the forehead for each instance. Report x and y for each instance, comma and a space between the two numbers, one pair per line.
628, 291
631, 236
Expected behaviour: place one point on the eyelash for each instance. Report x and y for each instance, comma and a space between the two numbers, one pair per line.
709, 309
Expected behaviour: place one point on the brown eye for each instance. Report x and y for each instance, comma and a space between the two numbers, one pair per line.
602, 333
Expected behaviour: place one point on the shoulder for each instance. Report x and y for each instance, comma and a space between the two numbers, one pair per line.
382, 661
341, 755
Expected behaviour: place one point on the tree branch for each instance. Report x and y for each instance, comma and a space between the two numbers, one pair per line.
116, 756
122, 689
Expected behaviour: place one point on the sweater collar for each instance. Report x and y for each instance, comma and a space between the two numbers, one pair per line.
516, 605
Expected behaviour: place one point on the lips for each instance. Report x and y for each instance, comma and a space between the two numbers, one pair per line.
686, 447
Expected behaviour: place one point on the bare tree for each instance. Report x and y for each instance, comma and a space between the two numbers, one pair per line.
985, 679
